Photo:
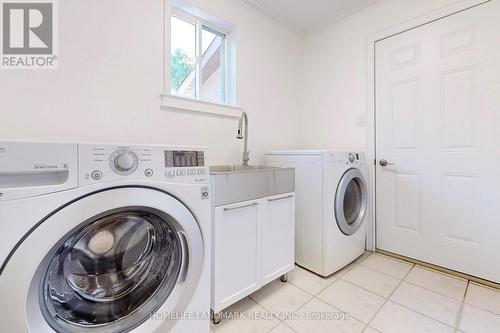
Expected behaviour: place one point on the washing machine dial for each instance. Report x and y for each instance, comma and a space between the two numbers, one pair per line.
124, 162
352, 158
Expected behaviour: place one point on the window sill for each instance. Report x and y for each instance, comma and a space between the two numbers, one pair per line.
178, 103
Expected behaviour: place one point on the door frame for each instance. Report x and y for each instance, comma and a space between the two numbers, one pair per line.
371, 149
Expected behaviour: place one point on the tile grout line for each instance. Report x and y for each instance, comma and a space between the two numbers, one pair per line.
314, 297
414, 284
442, 273
345, 312
375, 270
266, 309
356, 263
262, 306
423, 314
369, 289
279, 323
387, 299
477, 306
399, 261
308, 293
482, 309
273, 313
429, 290
328, 285
320, 300
390, 295
428, 269
412, 310
214, 326
348, 267
460, 311
433, 291
338, 308
272, 328
359, 262
353, 264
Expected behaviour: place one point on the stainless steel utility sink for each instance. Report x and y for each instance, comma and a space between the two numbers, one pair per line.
237, 183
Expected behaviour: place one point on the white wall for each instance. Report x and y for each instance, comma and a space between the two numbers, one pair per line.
110, 76
334, 78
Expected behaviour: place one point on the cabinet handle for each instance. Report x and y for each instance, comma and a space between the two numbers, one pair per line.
244, 206
282, 198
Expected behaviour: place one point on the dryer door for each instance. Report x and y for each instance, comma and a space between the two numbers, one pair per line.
106, 263
351, 201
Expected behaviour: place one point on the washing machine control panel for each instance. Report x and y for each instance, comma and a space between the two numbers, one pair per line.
101, 163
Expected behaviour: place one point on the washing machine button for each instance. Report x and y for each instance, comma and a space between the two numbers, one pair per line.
96, 175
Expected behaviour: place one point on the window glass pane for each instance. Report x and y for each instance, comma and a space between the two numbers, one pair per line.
213, 66
183, 57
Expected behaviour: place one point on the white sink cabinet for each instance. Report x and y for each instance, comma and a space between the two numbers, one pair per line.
252, 245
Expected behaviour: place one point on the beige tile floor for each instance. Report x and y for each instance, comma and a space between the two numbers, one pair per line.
376, 293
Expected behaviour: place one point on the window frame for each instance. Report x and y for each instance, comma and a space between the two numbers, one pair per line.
201, 24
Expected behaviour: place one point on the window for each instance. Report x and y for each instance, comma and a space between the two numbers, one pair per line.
198, 64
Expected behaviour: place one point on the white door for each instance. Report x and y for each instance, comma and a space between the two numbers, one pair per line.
438, 128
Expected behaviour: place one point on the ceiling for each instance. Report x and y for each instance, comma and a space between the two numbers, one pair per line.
307, 16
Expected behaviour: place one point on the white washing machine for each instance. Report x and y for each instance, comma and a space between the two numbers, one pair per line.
331, 206
103, 238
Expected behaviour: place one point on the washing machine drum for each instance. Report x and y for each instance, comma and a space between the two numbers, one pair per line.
351, 201
105, 262
106, 270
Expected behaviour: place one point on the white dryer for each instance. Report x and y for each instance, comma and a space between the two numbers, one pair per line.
331, 206
103, 238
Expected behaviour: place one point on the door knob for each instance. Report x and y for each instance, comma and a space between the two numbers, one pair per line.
384, 163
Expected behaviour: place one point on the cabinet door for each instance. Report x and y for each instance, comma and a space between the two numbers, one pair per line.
236, 256
278, 235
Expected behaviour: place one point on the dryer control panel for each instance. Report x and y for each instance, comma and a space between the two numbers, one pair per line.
100, 163
346, 159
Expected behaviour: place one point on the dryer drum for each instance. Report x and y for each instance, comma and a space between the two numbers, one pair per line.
351, 201
110, 268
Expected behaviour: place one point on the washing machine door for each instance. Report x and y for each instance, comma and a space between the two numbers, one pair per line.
106, 263
351, 201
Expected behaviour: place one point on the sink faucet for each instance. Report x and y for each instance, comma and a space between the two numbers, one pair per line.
246, 152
